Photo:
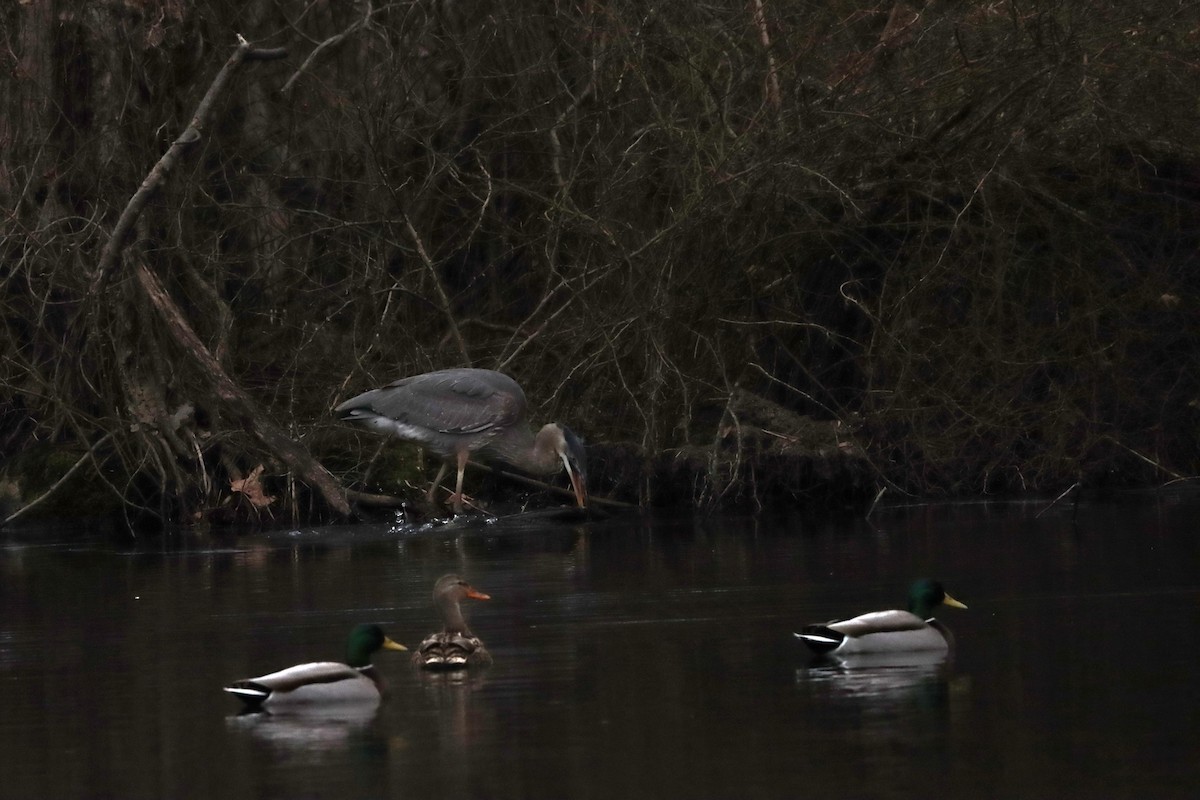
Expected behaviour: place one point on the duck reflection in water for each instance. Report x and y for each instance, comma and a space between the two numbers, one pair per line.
885, 690
312, 730
878, 675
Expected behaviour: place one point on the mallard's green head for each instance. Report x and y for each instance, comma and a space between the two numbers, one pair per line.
926, 595
365, 641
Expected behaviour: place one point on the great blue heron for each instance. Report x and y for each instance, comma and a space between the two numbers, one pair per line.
458, 413
454, 646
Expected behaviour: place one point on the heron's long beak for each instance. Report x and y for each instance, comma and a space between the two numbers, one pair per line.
580, 488
578, 485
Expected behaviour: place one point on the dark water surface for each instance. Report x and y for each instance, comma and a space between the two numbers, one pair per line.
633, 659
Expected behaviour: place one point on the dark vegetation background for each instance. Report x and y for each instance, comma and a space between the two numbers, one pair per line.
734, 244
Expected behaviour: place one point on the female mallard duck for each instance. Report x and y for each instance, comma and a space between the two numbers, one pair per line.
453, 647
888, 631
322, 682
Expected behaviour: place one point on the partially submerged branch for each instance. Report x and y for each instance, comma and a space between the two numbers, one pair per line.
233, 398
217, 382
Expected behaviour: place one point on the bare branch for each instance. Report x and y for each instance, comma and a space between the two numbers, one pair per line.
192, 134
65, 477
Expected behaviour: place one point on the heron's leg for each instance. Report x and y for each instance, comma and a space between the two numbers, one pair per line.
457, 497
437, 481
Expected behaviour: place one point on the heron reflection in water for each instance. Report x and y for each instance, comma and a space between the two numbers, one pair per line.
460, 413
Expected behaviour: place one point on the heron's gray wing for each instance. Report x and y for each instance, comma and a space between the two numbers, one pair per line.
452, 401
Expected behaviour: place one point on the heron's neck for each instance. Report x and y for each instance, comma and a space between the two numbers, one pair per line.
537, 454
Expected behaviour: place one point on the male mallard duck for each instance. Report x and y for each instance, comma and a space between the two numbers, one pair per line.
888, 631
322, 682
454, 647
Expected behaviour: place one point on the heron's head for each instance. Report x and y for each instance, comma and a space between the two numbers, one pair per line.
570, 450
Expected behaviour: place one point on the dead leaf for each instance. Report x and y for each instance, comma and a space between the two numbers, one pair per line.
251, 487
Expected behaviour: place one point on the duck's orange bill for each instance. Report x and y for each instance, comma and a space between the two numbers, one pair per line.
474, 595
